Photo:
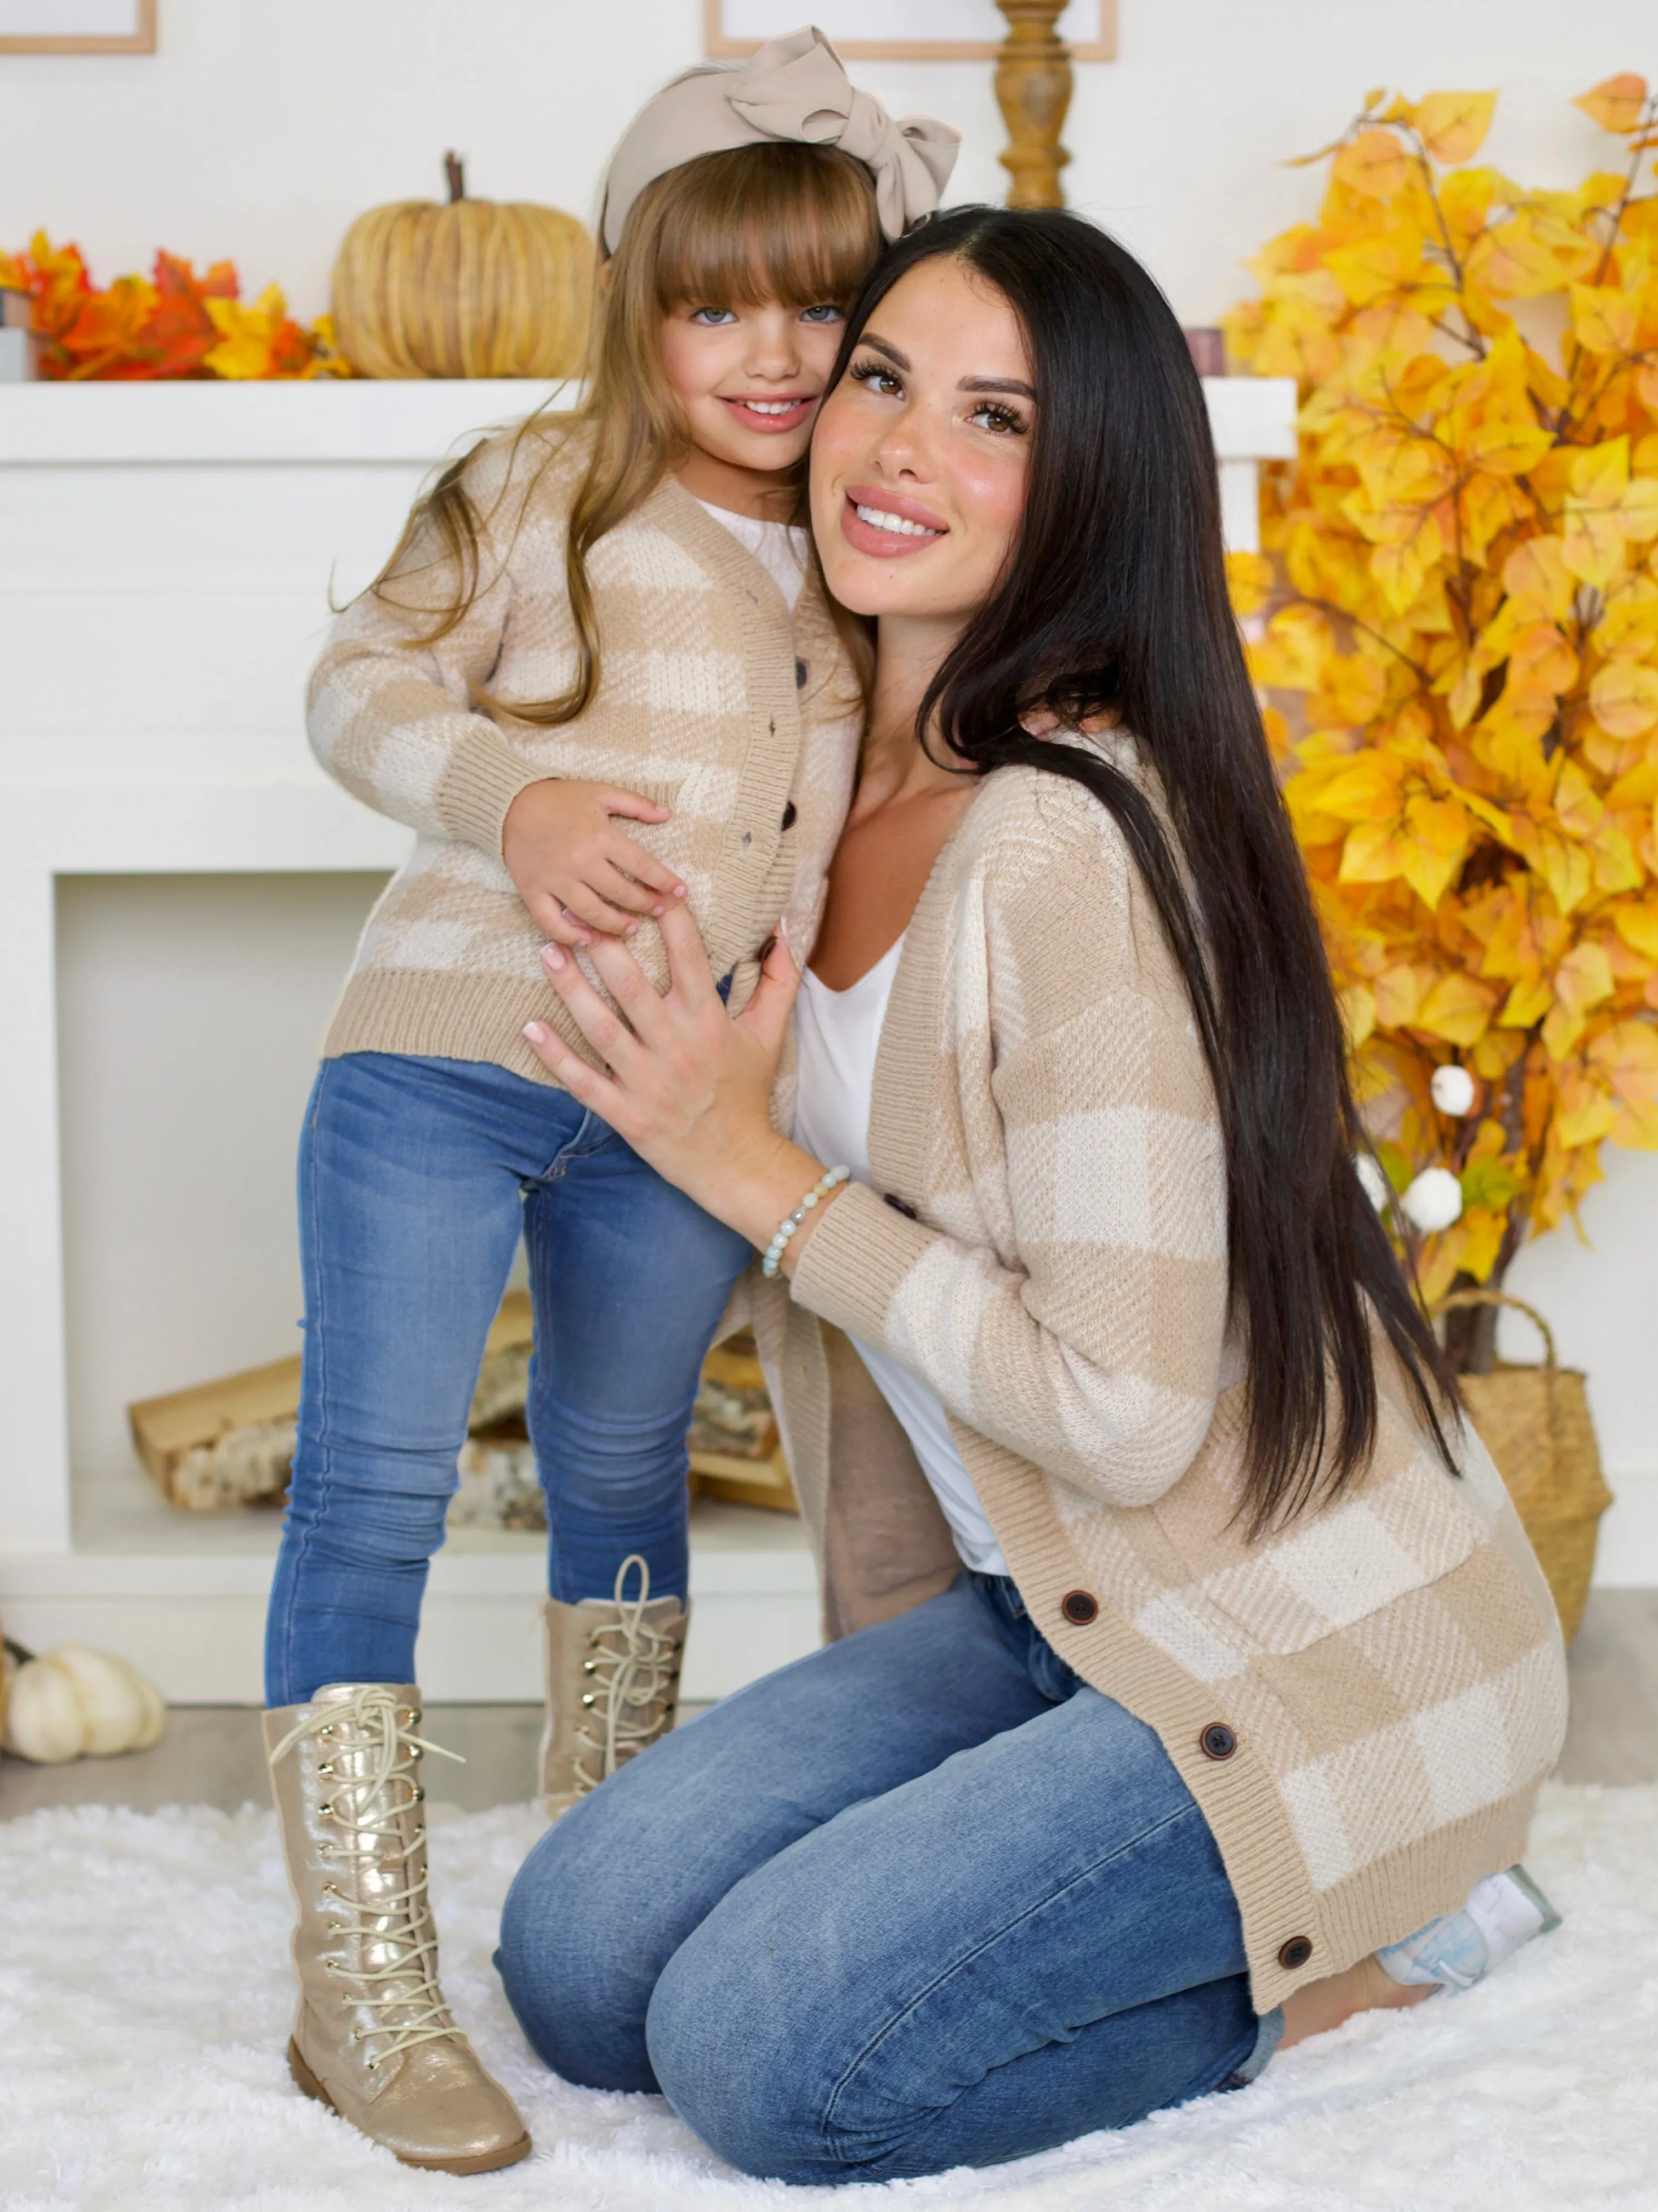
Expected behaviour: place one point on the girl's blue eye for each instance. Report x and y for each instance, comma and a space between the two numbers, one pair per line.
713, 318
825, 314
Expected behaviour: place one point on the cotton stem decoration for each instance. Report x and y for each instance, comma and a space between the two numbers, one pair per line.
75, 1702
1457, 635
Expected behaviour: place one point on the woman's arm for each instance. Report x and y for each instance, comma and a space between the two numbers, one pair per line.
1095, 1350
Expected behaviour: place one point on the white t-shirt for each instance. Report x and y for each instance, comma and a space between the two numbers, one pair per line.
779, 547
836, 1035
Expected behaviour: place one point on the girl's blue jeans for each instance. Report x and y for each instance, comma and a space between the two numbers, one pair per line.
923, 1900
416, 1178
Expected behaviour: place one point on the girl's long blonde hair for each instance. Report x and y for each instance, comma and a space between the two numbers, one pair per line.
786, 223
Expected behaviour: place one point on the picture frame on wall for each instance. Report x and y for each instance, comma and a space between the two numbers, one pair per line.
901, 30
78, 26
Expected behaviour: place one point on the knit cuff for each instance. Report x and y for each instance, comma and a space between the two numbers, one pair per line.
855, 1259
483, 777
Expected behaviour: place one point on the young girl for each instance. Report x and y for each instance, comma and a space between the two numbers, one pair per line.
597, 679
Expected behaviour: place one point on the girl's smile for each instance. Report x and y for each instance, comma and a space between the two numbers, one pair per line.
768, 414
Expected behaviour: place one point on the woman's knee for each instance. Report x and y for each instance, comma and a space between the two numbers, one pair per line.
578, 1957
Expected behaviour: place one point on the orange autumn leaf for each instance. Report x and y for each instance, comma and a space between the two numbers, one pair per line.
1617, 103
147, 328
1452, 125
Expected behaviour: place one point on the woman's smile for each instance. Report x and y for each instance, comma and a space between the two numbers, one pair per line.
887, 523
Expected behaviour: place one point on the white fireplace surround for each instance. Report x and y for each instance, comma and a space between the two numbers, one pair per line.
166, 552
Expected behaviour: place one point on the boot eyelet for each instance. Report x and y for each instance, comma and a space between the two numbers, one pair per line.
328, 1732
419, 1797
327, 1768
590, 1666
589, 1701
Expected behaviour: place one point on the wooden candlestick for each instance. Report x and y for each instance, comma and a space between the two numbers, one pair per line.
1033, 89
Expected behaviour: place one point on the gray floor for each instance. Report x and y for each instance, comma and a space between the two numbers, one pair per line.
211, 1754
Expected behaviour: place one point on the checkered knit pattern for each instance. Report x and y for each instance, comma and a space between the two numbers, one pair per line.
1363, 1702
712, 701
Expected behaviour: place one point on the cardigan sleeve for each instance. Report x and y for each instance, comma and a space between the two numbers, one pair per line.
1088, 1335
390, 717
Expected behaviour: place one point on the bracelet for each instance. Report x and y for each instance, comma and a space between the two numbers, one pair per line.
785, 1229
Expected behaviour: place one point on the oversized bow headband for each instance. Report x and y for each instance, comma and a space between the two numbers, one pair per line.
792, 88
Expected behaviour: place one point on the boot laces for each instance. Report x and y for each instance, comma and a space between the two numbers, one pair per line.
634, 1666
368, 1810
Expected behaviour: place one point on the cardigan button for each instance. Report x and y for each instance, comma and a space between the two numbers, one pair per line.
790, 816
1218, 1740
1293, 1955
1079, 1607
902, 1206
799, 675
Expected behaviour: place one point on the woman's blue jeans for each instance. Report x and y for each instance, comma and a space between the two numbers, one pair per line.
416, 1178
923, 1900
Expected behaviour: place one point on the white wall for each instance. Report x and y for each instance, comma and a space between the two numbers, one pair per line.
259, 131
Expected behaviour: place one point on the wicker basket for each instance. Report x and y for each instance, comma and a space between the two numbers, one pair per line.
1535, 1424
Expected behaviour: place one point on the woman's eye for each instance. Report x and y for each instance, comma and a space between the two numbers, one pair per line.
825, 314
878, 377
713, 318
1002, 421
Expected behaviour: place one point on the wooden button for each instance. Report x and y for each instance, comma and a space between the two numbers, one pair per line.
1294, 1954
1079, 1607
1218, 1740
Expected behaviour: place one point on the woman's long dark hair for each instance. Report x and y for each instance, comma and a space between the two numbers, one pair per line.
1114, 598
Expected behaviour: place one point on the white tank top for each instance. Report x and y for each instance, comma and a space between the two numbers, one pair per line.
836, 1035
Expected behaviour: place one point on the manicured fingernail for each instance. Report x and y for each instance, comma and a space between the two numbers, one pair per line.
679, 890
656, 912
632, 930
536, 1031
551, 956
783, 927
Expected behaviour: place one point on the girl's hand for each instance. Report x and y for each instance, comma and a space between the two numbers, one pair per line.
575, 870
688, 1086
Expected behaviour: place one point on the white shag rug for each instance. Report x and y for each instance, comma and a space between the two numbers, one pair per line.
144, 2007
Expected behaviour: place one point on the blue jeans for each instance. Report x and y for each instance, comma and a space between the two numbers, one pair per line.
922, 1900
417, 1177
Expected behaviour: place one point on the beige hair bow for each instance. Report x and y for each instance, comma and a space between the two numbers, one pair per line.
796, 88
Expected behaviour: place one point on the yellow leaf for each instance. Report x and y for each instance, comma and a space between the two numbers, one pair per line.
1399, 991
1250, 579
1591, 545
1372, 854
1452, 125
1399, 571
1374, 165
1617, 102
1599, 474
1508, 448
1462, 700
1637, 923
1436, 840
1628, 628
1536, 577
1603, 319
1458, 1009
1623, 699
1626, 1058
1357, 1004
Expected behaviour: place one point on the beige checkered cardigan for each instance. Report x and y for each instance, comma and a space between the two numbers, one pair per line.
712, 701
1045, 1245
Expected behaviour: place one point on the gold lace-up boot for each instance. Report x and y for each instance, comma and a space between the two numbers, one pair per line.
612, 1683
372, 2037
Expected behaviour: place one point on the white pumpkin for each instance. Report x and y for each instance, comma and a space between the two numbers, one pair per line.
75, 1701
43, 1714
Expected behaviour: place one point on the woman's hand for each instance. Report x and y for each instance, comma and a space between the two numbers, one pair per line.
687, 1086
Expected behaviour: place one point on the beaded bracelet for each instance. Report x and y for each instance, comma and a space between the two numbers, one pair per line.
785, 1229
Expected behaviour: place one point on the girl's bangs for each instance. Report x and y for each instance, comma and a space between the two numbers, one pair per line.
792, 223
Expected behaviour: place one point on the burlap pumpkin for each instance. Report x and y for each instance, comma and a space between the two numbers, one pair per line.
471, 289
1535, 1424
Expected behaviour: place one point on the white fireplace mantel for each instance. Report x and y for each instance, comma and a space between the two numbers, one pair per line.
167, 556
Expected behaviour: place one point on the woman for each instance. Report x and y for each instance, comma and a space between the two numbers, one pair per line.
1250, 1671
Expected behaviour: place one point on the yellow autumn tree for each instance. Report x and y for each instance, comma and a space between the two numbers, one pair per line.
1455, 621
